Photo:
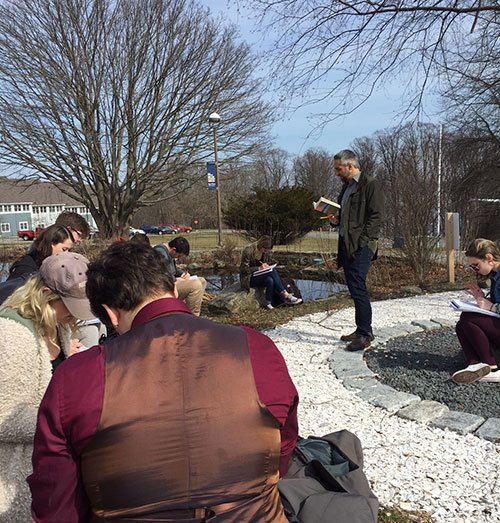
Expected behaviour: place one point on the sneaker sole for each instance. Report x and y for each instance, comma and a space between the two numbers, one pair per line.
471, 376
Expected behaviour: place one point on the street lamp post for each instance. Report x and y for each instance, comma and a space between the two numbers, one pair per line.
214, 120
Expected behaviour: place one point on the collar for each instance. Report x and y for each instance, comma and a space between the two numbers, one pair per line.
159, 308
356, 178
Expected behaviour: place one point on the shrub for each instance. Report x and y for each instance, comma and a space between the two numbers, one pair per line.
286, 214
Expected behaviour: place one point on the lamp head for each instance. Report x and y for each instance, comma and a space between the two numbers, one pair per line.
214, 118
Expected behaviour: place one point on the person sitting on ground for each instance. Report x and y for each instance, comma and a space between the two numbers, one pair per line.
189, 288
479, 334
75, 223
183, 419
52, 240
36, 327
255, 257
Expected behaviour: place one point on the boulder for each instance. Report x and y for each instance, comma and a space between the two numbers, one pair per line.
234, 300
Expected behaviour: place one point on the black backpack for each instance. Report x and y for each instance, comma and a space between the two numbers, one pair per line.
325, 482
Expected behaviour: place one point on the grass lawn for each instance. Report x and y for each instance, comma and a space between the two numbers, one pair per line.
207, 240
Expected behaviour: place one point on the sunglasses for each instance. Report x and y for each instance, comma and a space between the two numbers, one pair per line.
474, 266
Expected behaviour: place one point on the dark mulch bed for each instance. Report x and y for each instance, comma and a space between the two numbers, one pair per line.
422, 364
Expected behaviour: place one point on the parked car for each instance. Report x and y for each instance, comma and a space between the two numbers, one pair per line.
133, 230
157, 229
165, 229
30, 235
179, 228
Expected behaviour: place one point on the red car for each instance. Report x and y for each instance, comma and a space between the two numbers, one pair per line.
178, 228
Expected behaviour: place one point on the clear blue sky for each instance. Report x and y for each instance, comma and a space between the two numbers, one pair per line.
295, 133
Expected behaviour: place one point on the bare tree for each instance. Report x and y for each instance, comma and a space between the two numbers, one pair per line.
314, 170
272, 168
343, 51
109, 99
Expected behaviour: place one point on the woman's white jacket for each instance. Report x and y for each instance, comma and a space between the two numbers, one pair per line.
25, 372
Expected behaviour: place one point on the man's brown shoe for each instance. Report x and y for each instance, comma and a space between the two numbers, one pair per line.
360, 343
353, 336
349, 337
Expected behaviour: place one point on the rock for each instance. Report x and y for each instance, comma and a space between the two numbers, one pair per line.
233, 299
194, 267
424, 411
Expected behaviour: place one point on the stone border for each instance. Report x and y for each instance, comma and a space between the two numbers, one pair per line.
351, 369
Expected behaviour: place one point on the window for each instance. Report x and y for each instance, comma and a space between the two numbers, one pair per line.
4, 227
52, 208
17, 207
7, 208
23, 226
26, 207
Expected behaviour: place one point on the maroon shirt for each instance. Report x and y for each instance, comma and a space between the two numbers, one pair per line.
71, 409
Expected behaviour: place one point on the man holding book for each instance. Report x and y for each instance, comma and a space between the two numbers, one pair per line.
360, 218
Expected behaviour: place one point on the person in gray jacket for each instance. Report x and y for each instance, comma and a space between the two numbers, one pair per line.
361, 214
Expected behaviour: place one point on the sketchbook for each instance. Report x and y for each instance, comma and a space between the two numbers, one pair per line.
468, 306
263, 271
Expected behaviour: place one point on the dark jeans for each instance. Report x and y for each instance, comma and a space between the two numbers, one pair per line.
479, 336
356, 271
271, 281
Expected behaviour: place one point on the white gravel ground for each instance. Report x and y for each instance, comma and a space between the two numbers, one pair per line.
452, 477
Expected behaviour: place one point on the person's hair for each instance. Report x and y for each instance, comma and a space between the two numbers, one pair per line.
480, 247
33, 302
180, 244
125, 275
140, 238
74, 222
265, 242
42, 246
347, 156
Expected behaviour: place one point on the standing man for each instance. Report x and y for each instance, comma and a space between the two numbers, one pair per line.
177, 419
189, 288
361, 214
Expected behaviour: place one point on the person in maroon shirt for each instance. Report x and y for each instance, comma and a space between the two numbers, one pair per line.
177, 417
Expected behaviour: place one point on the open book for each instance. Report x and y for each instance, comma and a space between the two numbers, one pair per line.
263, 271
468, 306
326, 206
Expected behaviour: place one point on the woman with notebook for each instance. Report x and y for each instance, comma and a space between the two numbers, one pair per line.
479, 334
257, 272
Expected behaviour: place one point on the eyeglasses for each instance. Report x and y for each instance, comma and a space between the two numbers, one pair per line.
474, 266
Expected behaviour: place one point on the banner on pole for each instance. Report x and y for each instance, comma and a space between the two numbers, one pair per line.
211, 175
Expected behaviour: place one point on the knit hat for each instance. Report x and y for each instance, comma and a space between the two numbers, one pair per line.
65, 274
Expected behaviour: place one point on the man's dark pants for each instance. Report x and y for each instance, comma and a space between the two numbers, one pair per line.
355, 271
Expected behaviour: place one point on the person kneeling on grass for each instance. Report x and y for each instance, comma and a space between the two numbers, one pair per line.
255, 257
479, 334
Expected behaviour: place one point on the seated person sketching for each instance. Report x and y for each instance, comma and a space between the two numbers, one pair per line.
189, 288
479, 334
255, 257
181, 418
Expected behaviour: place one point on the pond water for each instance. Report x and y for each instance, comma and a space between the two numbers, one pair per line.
310, 289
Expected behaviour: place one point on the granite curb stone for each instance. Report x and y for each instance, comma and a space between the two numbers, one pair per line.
351, 368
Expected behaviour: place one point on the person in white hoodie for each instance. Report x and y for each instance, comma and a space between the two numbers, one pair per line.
36, 327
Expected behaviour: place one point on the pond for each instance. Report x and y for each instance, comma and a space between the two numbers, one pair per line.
310, 289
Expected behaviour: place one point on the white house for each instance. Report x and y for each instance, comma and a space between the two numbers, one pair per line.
26, 205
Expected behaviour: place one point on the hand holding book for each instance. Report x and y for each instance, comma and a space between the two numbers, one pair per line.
326, 206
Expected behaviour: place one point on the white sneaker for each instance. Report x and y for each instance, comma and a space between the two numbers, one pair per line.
471, 373
292, 300
268, 306
492, 377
